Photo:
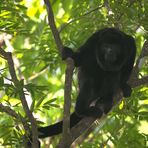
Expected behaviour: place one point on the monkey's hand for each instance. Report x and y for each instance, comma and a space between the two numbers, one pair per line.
126, 89
67, 53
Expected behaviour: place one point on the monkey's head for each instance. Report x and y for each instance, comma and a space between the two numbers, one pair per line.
111, 52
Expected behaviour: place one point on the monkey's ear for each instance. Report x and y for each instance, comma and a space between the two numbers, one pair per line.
67, 53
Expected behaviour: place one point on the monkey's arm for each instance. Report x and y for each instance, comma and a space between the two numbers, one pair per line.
128, 66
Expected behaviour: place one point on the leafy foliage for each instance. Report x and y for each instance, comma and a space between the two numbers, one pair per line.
25, 31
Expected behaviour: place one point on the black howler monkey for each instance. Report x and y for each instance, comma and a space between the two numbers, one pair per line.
105, 63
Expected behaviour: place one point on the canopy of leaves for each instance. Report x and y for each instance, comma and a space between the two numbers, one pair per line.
24, 31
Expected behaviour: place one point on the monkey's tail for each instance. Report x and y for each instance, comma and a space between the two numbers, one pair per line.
56, 128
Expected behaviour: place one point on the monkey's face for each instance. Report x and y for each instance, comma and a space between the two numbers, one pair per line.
111, 53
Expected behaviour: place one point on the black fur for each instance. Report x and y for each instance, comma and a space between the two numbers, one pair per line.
105, 63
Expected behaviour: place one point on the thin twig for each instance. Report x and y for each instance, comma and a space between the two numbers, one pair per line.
53, 26
12, 113
80, 17
8, 110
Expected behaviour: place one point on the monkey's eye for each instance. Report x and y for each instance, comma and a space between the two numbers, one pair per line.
110, 48
106, 48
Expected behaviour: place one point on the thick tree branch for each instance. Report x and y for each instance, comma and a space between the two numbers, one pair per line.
84, 124
68, 77
67, 104
18, 86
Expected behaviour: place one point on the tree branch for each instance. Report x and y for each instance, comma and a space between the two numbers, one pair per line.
68, 78
143, 54
138, 82
67, 104
8, 110
12, 113
53, 26
18, 86
82, 16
